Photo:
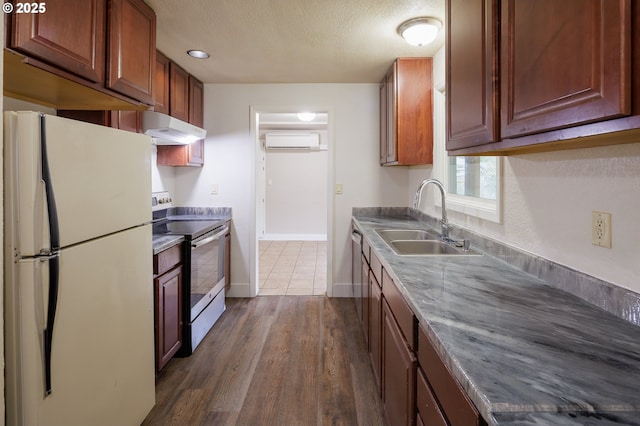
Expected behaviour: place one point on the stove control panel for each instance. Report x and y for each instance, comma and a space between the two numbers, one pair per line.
160, 200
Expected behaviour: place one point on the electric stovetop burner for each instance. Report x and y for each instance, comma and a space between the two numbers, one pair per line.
191, 229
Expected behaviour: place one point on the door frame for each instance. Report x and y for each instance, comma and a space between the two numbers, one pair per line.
256, 203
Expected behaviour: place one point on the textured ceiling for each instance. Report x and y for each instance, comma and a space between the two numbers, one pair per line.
290, 41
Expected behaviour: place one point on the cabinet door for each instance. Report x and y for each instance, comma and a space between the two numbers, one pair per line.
123, 120
392, 104
162, 84
48, 36
365, 299
472, 71
168, 316
383, 121
196, 102
178, 92
399, 373
452, 399
196, 117
127, 120
564, 63
414, 111
132, 49
428, 410
375, 328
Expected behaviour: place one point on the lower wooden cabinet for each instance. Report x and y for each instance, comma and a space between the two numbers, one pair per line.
452, 401
399, 373
364, 301
427, 409
167, 282
375, 328
415, 385
168, 314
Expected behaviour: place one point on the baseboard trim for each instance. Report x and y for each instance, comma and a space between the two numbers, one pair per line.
294, 237
342, 290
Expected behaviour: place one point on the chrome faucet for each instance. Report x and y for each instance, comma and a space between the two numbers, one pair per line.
444, 223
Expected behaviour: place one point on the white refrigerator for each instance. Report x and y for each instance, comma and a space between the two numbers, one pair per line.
79, 332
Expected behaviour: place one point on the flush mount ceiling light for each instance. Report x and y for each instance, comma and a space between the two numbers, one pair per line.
200, 54
420, 31
306, 116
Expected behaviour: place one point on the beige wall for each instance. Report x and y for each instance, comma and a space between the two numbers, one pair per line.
547, 203
230, 161
296, 193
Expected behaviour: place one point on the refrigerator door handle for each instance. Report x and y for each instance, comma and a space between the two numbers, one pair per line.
54, 261
54, 277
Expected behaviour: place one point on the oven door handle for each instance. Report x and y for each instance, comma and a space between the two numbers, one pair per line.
214, 237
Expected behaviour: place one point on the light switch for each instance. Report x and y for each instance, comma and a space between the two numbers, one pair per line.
339, 189
214, 189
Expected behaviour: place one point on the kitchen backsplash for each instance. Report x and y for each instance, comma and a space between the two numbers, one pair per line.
617, 300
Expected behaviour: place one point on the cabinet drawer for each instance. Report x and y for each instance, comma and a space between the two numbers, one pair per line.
428, 409
376, 267
401, 312
165, 260
457, 407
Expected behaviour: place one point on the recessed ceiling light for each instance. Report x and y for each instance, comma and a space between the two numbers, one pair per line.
306, 116
420, 31
200, 54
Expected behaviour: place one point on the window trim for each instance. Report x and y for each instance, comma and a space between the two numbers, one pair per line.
490, 210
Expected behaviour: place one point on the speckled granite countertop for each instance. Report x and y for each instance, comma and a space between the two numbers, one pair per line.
526, 352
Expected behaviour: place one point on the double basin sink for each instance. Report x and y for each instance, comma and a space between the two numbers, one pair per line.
418, 242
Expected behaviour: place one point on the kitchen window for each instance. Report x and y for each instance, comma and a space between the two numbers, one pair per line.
473, 183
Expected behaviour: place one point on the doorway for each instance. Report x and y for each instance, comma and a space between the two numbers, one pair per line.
292, 202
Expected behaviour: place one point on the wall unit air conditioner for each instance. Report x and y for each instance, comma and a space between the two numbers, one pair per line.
293, 140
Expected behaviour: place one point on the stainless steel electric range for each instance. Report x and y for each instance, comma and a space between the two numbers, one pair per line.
203, 284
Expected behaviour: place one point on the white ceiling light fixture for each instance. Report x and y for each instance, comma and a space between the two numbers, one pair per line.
306, 116
200, 54
420, 31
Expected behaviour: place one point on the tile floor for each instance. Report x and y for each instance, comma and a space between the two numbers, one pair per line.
292, 268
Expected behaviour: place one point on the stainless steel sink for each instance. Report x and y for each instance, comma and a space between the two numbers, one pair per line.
424, 248
405, 234
418, 242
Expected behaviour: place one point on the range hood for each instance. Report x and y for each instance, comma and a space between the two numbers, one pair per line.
167, 130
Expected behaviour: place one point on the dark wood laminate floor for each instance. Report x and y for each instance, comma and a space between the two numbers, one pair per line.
274, 360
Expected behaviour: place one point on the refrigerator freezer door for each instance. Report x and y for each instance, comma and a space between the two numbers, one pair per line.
103, 349
101, 179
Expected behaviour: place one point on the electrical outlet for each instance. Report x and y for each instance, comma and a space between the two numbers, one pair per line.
601, 229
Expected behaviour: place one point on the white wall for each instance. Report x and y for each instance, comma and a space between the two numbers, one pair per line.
547, 203
162, 177
296, 194
230, 157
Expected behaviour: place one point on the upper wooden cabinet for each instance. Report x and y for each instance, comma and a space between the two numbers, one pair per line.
132, 49
70, 35
406, 113
123, 120
178, 92
559, 76
472, 62
72, 41
565, 63
190, 96
162, 84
